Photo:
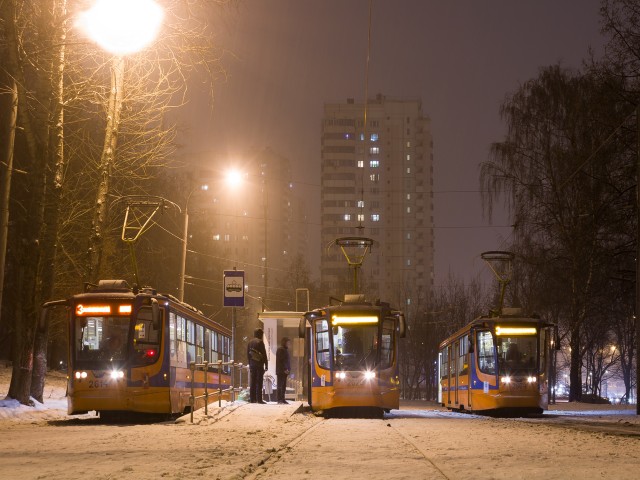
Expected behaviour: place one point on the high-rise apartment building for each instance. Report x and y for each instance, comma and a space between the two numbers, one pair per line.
377, 182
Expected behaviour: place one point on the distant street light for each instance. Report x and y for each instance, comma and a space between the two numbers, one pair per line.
120, 27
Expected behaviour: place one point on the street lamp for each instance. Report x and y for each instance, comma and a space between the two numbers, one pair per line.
185, 236
120, 27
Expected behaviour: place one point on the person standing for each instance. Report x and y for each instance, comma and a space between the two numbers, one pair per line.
257, 355
283, 368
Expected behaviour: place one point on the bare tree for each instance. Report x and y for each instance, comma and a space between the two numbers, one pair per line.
567, 187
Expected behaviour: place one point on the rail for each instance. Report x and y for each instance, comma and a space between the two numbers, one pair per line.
236, 368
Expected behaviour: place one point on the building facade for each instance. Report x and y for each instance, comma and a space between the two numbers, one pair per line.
377, 182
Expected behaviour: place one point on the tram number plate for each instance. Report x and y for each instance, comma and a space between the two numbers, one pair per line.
99, 383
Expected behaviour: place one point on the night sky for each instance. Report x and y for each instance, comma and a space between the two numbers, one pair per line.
285, 58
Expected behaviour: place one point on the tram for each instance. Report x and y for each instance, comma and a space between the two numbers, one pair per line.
498, 365
351, 350
130, 351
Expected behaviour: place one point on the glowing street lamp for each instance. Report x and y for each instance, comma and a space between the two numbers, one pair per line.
122, 27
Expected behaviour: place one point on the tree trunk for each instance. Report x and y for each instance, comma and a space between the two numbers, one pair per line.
96, 241
575, 372
52, 200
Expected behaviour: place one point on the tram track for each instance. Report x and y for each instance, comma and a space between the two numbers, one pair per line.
629, 430
336, 448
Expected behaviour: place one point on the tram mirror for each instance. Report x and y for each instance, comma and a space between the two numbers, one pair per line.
155, 311
402, 326
302, 327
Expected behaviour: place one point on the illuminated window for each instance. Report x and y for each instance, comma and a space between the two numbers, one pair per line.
408, 209
216, 237
408, 144
360, 163
374, 163
347, 217
374, 150
362, 137
408, 157
227, 237
347, 136
408, 262
375, 217
408, 169
360, 203
361, 217
374, 137
245, 238
408, 235
374, 177
408, 196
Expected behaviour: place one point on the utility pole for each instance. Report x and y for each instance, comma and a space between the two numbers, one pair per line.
637, 309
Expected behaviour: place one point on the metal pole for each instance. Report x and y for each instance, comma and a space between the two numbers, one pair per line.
233, 349
183, 261
206, 390
638, 260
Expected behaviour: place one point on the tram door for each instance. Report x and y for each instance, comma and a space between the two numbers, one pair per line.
456, 349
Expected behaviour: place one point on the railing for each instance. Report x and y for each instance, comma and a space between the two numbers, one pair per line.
236, 368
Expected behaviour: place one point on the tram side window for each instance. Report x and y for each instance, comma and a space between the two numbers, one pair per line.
323, 350
444, 364
146, 337
181, 343
172, 334
463, 356
386, 350
199, 344
191, 342
486, 353
213, 356
543, 349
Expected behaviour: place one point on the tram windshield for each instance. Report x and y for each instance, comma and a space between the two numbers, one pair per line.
356, 347
517, 354
101, 339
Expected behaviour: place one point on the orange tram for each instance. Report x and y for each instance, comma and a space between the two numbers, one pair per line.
498, 365
130, 351
352, 357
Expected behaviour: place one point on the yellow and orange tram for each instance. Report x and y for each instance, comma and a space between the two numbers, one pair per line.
352, 356
130, 351
498, 364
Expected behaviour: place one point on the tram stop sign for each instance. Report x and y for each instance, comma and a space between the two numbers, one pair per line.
233, 288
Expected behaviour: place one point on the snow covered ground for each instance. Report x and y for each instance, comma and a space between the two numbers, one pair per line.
250, 441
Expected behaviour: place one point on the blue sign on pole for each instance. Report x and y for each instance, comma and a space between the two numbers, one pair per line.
233, 282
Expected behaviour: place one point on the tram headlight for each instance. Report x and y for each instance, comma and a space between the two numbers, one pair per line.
506, 379
117, 374
369, 375
531, 379
341, 375
80, 375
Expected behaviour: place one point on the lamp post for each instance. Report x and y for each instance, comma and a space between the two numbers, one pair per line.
120, 27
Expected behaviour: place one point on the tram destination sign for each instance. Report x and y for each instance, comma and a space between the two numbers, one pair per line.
233, 281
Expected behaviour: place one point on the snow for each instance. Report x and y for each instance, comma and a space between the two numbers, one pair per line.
241, 440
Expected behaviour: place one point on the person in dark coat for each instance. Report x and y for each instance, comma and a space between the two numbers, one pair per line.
283, 368
257, 355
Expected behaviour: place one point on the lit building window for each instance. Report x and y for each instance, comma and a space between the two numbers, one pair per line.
347, 217
374, 150
227, 237
408, 262
360, 163
361, 217
347, 136
245, 238
216, 237
408, 144
408, 235
374, 163
360, 203
375, 217
408, 157
408, 209
408, 196
408, 301
374, 137
374, 177
362, 137
408, 169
